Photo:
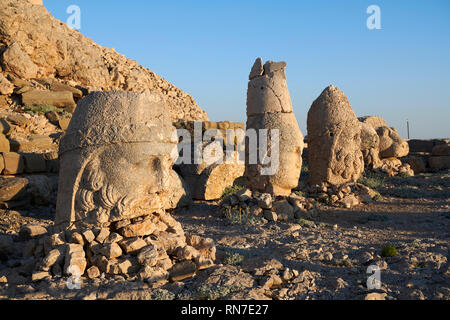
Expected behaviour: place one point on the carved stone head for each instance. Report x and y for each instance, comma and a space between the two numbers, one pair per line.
334, 140
115, 159
391, 144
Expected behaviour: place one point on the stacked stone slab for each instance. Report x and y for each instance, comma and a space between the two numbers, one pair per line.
207, 180
428, 155
334, 140
269, 107
116, 180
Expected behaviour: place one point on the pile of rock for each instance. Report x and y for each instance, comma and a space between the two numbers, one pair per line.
34, 45
296, 206
346, 195
153, 248
207, 179
382, 152
428, 155
267, 206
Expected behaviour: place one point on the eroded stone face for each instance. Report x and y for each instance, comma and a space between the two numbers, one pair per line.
269, 107
122, 181
334, 140
391, 144
370, 144
116, 160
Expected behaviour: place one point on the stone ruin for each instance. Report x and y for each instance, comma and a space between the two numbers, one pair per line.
209, 178
428, 155
269, 107
334, 140
382, 146
116, 182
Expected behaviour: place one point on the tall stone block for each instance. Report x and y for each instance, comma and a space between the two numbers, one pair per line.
269, 107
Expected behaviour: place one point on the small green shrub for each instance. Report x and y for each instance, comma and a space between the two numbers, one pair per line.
233, 258
419, 265
372, 179
237, 215
404, 175
301, 193
162, 294
306, 223
231, 190
378, 197
389, 251
346, 262
42, 109
206, 292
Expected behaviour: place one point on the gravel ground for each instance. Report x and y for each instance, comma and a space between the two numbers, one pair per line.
324, 256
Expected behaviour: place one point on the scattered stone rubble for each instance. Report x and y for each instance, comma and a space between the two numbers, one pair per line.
37, 46
296, 206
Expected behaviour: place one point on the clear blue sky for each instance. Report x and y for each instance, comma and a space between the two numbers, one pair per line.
207, 48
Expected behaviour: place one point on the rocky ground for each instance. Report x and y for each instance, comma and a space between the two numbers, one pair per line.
322, 256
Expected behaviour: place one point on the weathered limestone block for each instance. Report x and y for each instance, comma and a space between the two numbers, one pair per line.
4, 143
53, 98
334, 140
14, 163
31, 143
269, 107
18, 62
417, 164
34, 162
370, 143
6, 87
441, 150
54, 85
416, 145
75, 260
391, 144
115, 159
439, 162
12, 188
269, 92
